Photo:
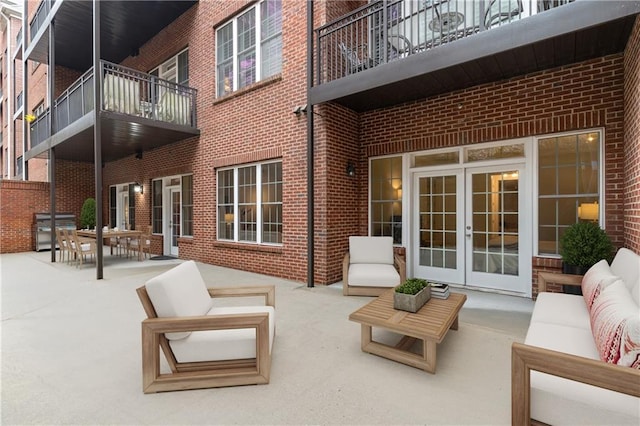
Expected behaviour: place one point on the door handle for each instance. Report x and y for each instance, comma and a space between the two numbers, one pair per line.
468, 231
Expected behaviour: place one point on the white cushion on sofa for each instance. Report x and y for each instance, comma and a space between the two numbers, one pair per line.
179, 292
562, 338
370, 250
626, 265
562, 309
373, 275
218, 345
558, 401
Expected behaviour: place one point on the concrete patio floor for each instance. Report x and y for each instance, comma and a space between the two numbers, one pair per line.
71, 355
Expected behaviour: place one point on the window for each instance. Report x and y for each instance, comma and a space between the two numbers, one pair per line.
386, 198
18, 167
187, 205
175, 69
249, 47
250, 203
39, 110
156, 209
568, 185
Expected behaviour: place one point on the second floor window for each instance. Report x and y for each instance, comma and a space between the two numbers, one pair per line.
249, 47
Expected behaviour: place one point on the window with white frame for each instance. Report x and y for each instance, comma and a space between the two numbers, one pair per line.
249, 47
250, 203
569, 168
186, 203
174, 69
386, 198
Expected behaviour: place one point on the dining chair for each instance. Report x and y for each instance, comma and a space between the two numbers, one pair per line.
82, 249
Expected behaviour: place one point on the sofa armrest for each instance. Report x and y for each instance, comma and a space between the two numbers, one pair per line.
345, 274
267, 291
525, 358
401, 266
554, 277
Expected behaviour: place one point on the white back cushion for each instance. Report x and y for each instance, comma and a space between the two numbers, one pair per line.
626, 265
179, 292
371, 250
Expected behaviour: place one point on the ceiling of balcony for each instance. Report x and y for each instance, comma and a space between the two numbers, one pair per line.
125, 27
569, 34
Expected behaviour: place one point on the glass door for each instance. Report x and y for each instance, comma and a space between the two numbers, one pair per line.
497, 252
173, 221
438, 220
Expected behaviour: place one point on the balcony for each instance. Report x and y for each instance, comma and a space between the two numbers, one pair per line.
138, 112
392, 51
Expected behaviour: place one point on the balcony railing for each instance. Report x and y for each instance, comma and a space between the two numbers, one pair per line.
125, 91
388, 30
39, 18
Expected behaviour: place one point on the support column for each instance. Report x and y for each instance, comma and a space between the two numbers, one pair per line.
310, 149
97, 141
51, 80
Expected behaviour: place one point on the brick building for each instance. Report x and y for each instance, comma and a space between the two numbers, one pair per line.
474, 139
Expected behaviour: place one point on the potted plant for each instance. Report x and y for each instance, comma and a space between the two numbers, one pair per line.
583, 245
88, 214
411, 295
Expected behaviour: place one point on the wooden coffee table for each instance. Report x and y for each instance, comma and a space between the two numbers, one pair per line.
430, 324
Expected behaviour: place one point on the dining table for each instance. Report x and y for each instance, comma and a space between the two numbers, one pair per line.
110, 233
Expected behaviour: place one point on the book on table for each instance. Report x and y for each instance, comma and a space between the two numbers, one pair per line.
439, 291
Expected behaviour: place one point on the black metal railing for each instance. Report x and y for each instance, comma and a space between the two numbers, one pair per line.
387, 30
125, 91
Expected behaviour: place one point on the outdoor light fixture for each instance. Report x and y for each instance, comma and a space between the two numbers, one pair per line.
300, 109
138, 188
351, 169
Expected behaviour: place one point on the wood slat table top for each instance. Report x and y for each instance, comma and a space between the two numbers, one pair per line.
108, 234
432, 321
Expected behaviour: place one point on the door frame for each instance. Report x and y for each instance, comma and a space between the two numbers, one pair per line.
167, 212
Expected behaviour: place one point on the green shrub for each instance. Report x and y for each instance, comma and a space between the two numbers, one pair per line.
585, 244
88, 214
412, 286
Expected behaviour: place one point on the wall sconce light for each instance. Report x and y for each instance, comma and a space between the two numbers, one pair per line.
588, 211
300, 109
139, 154
138, 188
351, 169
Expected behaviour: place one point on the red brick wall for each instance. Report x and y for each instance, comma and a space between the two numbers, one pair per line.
18, 202
632, 140
574, 97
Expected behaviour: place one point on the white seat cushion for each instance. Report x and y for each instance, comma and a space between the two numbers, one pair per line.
373, 275
371, 250
219, 345
561, 309
179, 292
558, 401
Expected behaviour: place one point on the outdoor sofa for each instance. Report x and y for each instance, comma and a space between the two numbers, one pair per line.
573, 340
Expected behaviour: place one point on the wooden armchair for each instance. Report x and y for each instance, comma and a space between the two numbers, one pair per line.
205, 345
370, 267
81, 248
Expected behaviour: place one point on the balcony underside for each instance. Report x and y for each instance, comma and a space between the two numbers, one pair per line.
125, 27
569, 34
121, 136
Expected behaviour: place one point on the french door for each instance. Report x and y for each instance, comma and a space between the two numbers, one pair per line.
468, 228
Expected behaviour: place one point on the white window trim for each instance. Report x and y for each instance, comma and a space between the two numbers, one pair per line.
257, 46
174, 58
536, 198
259, 222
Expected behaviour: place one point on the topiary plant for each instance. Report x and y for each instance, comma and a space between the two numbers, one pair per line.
412, 286
584, 244
88, 214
